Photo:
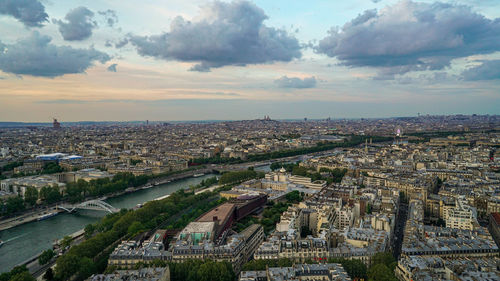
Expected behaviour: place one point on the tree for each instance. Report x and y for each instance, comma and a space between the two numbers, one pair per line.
89, 230
66, 241
299, 171
49, 274
50, 194
18, 269
54, 195
237, 176
385, 258
67, 266
284, 262
195, 270
17, 273
14, 204
134, 162
24, 276
293, 197
355, 268
135, 228
10, 166
31, 195
114, 226
380, 272
208, 271
86, 268
44, 193
46, 256
368, 208
5, 276
51, 168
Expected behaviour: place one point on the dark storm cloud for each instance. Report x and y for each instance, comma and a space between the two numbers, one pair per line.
112, 67
30, 12
35, 56
295, 82
109, 16
78, 25
412, 36
228, 34
488, 70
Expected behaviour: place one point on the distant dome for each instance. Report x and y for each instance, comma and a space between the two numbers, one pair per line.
282, 170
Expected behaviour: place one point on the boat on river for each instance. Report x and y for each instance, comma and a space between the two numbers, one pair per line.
46, 216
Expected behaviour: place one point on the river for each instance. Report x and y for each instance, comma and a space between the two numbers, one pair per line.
25, 241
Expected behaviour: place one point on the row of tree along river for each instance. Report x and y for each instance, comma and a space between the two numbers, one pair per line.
25, 241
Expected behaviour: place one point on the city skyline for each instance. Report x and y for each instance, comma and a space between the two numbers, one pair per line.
233, 60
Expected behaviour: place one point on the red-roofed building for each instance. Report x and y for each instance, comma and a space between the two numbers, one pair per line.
222, 215
494, 227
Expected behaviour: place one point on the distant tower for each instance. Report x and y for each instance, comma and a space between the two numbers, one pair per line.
147, 122
305, 119
366, 145
55, 124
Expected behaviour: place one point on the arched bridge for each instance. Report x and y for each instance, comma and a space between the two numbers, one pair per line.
95, 205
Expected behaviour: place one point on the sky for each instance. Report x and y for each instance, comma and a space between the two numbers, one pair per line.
122, 60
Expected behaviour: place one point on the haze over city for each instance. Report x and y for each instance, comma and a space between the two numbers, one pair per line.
229, 60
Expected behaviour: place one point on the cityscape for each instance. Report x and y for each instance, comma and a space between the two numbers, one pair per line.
408, 198
250, 140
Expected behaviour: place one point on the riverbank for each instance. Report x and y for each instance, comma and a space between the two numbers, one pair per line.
27, 240
26, 218
77, 237
33, 215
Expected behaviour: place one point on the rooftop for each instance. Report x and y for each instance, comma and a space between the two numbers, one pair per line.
221, 213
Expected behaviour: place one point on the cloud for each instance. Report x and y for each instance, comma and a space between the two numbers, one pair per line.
112, 67
295, 82
121, 43
411, 36
110, 17
30, 12
431, 78
35, 56
62, 101
78, 25
203, 97
226, 34
488, 70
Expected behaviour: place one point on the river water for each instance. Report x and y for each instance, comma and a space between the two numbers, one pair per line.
27, 240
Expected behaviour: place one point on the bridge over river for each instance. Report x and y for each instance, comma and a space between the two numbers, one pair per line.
95, 205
